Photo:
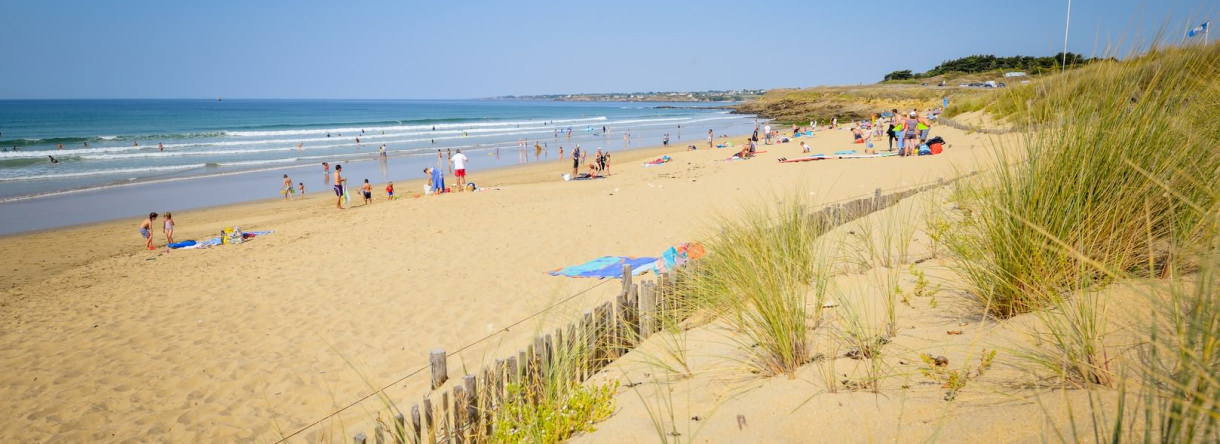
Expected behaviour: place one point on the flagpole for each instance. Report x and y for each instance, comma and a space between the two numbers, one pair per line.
1065, 37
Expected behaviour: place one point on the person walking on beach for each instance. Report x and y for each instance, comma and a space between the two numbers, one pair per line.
145, 228
449, 154
286, 187
459, 168
710, 138
560, 153
339, 183
168, 228
575, 161
367, 191
301, 187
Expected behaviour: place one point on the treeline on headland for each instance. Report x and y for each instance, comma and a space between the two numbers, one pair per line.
982, 63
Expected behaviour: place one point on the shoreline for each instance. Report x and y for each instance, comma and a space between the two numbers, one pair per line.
366, 165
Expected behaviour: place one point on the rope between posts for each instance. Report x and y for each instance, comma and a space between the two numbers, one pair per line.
459, 350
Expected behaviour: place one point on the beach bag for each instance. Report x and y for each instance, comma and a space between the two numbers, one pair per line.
936, 139
924, 150
937, 148
231, 235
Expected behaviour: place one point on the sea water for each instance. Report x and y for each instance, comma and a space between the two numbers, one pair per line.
124, 158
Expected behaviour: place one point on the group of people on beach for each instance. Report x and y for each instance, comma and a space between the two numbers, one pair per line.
167, 227
600, 167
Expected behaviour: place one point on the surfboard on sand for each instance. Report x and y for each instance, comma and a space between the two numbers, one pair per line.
806, 159
866, 156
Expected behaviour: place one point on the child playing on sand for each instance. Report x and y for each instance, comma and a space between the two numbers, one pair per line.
367, 191
301, 187
145, 230
169, 228
389, 191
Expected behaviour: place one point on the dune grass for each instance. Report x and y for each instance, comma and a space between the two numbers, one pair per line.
1092, 188
551, 406
1119, 183
763, 275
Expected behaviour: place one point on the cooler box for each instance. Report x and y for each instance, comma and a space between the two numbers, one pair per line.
936, 147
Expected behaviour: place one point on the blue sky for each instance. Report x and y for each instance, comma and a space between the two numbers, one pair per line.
469, 49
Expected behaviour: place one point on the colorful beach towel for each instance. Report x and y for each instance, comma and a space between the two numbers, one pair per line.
659, 161
605, 267
612, 266
191, 244
676, 256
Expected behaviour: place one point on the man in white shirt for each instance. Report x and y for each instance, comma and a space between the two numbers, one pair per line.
459, 168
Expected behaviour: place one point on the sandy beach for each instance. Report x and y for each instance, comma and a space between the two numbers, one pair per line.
105, 342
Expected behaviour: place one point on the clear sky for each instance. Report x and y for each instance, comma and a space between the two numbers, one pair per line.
404, 49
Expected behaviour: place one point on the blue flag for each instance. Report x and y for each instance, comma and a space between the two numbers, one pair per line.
1197, 30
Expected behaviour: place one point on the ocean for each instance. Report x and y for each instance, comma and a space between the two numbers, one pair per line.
123, 158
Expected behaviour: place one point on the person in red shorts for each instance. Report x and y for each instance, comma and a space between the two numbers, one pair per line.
459, 168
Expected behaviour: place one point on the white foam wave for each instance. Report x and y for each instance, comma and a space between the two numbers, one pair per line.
370, 131
107, 172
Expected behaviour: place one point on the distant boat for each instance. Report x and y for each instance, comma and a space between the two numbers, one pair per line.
217, 98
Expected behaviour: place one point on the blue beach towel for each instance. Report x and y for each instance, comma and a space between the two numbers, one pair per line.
605, 267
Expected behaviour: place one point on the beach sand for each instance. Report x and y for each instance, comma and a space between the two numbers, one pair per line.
104, 342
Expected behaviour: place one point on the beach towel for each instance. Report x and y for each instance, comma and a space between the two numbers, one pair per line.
674, 257
867, 156
658, 161
605, 267
217, 240
183, 244
806, 159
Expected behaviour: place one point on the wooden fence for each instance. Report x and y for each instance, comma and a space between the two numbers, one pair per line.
463, 412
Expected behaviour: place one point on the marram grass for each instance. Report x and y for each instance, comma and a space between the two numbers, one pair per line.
763, 274
1104, 181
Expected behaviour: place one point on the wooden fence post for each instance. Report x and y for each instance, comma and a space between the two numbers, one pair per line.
446, 432
512, 372
400, 429
430, 417
416, 425
460, 400
876, 199
626, 279
440, 372
590, 341
647, 309
472, 406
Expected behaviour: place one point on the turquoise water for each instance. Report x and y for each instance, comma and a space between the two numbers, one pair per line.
121, 144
